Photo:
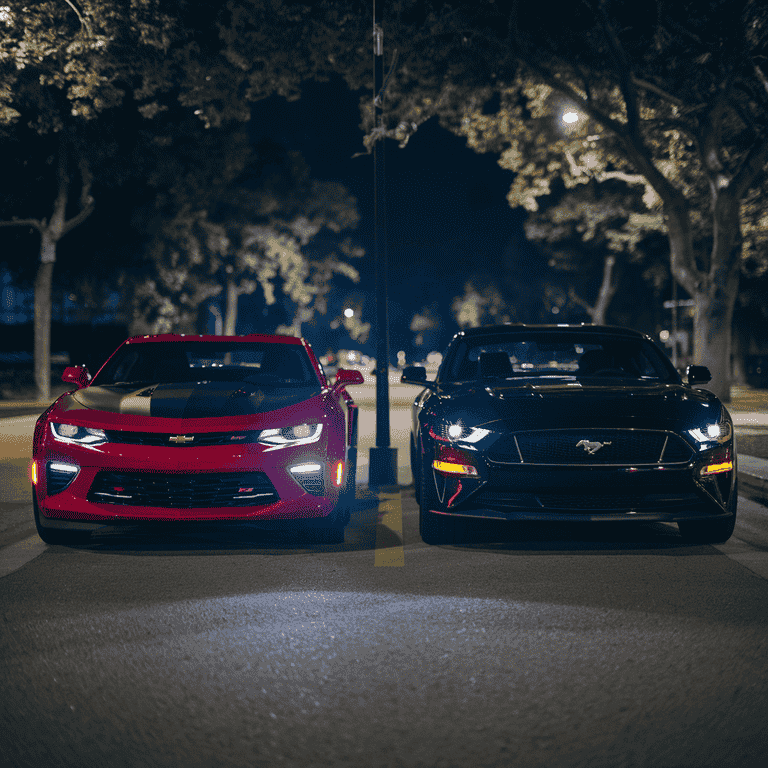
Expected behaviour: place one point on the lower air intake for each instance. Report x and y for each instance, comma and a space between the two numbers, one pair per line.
182, 491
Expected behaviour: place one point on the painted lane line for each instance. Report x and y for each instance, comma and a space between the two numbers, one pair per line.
16, 555
390, 522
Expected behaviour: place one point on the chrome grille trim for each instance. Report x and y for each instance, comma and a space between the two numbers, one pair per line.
565, 441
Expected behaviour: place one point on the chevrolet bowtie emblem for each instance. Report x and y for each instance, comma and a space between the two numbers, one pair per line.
181, 438
591, 446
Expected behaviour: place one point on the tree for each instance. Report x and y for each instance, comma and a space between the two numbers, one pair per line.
61, 66
480, 304
590, 232
227, 217
673, 95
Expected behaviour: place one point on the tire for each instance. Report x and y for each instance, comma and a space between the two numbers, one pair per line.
55, 535
433, 528
707, 531
711, 531
331, 530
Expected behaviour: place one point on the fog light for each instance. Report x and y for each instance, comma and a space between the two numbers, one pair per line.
310, 477
714, 469
719, 461
454, 461
454, 469
59, 476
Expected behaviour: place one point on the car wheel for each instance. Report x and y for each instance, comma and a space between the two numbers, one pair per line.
331, 530
55, 535
707, 531
342, 513
711, 531
433, 528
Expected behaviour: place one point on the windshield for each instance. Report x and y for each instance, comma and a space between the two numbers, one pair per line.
555, 354
178, 362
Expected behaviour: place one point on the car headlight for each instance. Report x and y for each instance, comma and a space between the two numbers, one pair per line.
285, 437
71, 433
709, 434
458, 432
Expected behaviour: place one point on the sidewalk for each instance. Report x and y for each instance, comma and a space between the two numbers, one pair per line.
749, 409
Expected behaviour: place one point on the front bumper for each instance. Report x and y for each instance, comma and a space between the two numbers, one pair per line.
589, 494
103, 488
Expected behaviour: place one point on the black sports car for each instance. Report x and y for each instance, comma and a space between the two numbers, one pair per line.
569, 422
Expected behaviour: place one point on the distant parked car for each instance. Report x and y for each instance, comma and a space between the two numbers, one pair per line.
577, 423
177, 428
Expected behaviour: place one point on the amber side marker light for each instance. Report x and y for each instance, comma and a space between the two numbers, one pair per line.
454, 469
714, 469
339, 472
33, 472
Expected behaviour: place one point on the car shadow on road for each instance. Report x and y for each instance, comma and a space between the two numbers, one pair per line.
591, 538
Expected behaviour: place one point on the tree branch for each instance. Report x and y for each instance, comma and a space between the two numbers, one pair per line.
86, 201
576, 299
761, 77
75, 221
660, 92
753, 165
36, 223
624, 72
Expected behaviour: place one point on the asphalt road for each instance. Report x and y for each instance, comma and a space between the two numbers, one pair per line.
538, 645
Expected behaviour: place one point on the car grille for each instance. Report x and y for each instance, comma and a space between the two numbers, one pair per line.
572, 447
199, 439
180, 491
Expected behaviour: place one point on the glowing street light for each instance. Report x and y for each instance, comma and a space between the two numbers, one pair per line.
570, 117
349, 312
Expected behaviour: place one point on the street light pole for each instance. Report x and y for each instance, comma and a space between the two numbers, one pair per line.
382, 468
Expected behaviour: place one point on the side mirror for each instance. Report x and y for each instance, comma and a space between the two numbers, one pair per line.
697, 374
76, 374
414, 374
345, 377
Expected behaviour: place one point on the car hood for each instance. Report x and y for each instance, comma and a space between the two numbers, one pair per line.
190, 400
571, 403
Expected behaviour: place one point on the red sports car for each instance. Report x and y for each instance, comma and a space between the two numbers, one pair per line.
198, 428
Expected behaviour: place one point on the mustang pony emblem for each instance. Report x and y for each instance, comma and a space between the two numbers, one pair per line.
591, 447
181, 438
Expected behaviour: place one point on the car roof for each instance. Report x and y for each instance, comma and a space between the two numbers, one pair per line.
269, 338
588, 328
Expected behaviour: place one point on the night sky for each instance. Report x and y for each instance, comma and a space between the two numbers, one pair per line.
446, 208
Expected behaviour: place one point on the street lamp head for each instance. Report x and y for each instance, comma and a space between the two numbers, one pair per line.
349, 312
570, 116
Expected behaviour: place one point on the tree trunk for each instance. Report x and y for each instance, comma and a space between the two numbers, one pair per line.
42, 319
606, 292
712, 330
230, 316
50, 233
714, 290
599, 310
738, 353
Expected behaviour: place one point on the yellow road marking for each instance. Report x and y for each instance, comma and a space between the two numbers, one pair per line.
390, 520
